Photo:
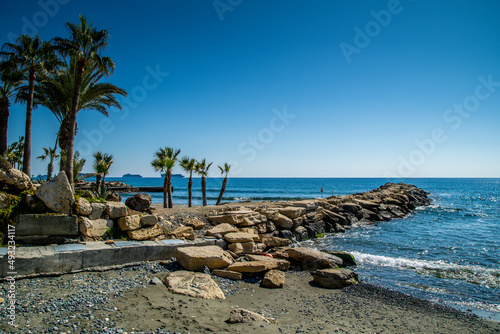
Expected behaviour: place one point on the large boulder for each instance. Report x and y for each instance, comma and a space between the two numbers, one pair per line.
139, 202
197, 258
145, 233
57, 194
115, 210
283, 221
273, 279
196, 285
335, 278
84, 208
312, 259
129, 223
97, 210
94, 228
15, 179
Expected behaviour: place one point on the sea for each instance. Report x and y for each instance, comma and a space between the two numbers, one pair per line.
448, 252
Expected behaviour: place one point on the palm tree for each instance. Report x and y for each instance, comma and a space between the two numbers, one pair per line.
51, 154
164, 162
202, 169
78, 164
99, 167
31, 55
84, 45
55, 93
224, 171
189, 166
15, 153
10, 81
108, 161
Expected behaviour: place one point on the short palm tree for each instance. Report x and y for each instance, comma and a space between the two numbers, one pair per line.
84, 45
189, 166
102, 164
10, 81
78, 164
164, 162
30, 55
224, 171
15, 153
202, 169
51, 154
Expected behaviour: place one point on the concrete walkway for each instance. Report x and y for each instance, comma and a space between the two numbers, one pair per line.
68, 258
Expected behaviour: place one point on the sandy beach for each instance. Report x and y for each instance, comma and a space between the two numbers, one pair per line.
128, 301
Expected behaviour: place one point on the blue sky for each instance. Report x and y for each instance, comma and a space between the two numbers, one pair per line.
287, 88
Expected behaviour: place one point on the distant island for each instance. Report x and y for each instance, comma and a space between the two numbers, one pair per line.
132, 175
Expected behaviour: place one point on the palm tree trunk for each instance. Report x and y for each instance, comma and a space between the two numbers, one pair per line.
4, 119
70, 148
224, 184
165, 192
27, 135
98, 183
50, 168
190, 189
204, 190
169, 188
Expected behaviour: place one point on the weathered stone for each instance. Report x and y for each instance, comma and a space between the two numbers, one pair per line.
149, 220
240, 237
332, 217
88, 194
301, 233
250, 230
273, 279
309, 205
270, 226
226, 219
261, 228
335, 278
367, 204
15, 179
129, 223
286, 234
114, 197
274, 241
234, 275
312, 259
57, 194
94, 228
293, 211
84, 208
271, 214
247, 247
252, 220
196, 285
183, 232
279, 264
221, 229
97, 210
240, 316
145, 233
139, 202
4, 200
351, 207
115, 210
196, 224
60, 225
196, 258
314, 230
251, 267
283, 221
347, 258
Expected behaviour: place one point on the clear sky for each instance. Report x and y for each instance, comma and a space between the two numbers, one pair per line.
342, 88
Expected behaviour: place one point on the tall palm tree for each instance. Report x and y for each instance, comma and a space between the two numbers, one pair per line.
202, 169
164, 162
55, 93
224, 171
10, 81
189, 166
51, 154
31, 55
84, 45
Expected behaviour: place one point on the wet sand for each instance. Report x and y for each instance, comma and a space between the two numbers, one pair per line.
127, 301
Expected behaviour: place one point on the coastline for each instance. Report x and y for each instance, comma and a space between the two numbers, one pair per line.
79, 303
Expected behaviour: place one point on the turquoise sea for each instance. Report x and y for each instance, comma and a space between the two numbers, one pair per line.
448, 252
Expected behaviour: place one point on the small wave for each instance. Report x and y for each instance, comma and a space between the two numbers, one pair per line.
440, 269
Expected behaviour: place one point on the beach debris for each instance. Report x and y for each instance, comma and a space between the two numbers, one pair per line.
273, 279
57, 194
139, 202
312, 259
335, 278
196, 258
239, 316
198, 285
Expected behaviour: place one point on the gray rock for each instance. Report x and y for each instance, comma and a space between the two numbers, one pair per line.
149, 220
84, 207
335, 278
94, 228
15, 179
115, 210
240, 316
57, 194
139, 202
97, 210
